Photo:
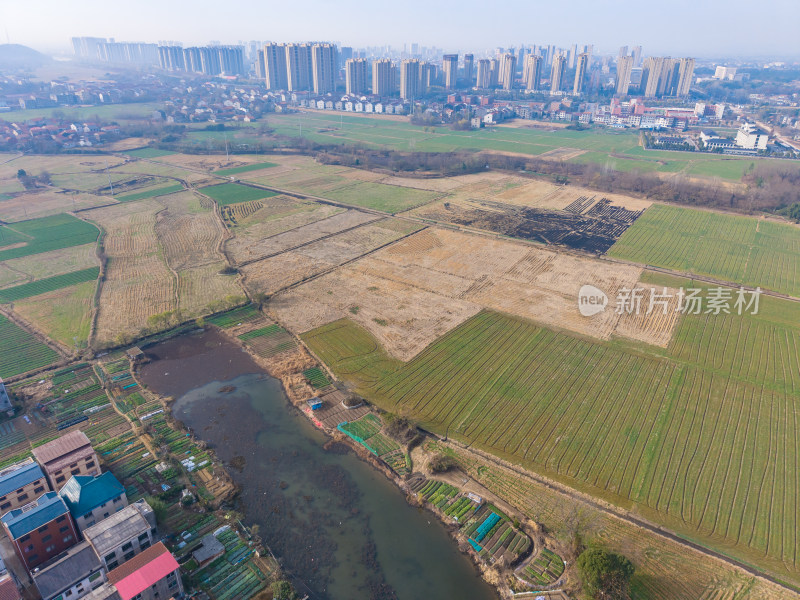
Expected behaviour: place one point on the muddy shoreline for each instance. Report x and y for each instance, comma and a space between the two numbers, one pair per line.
336, 443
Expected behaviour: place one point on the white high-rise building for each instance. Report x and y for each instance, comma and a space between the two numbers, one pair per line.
410, 78
624, 68
356, 76
532, 74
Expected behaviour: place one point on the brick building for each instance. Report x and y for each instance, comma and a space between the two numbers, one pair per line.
71, 454
21, 484
41, 530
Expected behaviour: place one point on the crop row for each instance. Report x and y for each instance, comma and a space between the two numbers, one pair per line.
20, 351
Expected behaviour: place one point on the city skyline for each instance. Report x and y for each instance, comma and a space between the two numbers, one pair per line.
461, 31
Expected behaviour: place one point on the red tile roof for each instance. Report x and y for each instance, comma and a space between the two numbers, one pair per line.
8, 589
142, 571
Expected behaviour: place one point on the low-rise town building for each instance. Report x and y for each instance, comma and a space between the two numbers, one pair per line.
92, 499
123, 535
71, 454
21, 484
40, 530
71, 575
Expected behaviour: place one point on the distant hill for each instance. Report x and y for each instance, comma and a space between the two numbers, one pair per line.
16, 56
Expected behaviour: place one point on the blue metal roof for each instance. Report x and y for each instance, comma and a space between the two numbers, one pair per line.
48, 507
20, 477
84, 493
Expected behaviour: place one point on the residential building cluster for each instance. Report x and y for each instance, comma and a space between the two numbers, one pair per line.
208, 60
74, 533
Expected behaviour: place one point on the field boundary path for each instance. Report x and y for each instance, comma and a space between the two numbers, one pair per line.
616, 512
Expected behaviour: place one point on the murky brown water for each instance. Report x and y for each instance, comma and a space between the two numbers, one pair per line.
340, 527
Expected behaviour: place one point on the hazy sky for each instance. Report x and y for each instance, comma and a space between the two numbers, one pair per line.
710, 28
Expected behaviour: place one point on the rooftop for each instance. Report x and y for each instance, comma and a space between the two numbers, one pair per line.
66, 444
210, 548
72, 566
142, 571
8, 589
32, 516
84, 493
117, 529
22, 475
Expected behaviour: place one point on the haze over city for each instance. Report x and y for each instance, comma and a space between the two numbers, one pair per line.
709, 28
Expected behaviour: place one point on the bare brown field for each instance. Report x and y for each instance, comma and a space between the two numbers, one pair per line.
308, 233
362, 175
138, 282
269, 221
46, 202
202, 290
651, 325
444, 184
128, 144
90, 182
562, 153
57, 164
55, 262
272, 274
171, 171
190, 233
414, 291
404, 318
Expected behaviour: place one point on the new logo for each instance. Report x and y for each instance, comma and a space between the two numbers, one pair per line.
591, 300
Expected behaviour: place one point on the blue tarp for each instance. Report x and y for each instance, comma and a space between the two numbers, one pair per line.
475, 545
486, 526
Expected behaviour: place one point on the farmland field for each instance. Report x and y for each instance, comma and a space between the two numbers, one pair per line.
20, 351
45, 234
63, 315
244, 169
700, 438
138, 282
160, 191
233, 193
44, 203
55, 262
49, 284
417, 289
148, 153
737, 249
619, 148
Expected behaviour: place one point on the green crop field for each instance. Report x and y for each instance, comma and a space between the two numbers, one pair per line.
154, 193
45, 234
20, 351
388, 198
234, 193
737, 249
148, 153
34, 288
244, 169
701, 436
619, 149
118, 112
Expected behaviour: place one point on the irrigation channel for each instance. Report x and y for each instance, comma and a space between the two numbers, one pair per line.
339, 527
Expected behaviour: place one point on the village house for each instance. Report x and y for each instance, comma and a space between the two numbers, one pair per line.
20, 484
71, 454
41, 530
92, 499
